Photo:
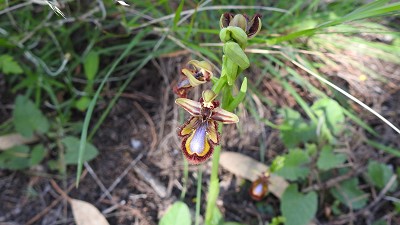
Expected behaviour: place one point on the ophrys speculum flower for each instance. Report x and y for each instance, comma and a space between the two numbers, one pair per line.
200, 133
200, 73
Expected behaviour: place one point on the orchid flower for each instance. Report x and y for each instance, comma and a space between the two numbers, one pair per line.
200, 132
259, 187
200, 74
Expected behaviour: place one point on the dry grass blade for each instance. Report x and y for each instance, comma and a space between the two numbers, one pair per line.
248, 168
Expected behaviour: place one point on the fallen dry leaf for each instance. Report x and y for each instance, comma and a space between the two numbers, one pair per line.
86, 214
248, 168
11, 140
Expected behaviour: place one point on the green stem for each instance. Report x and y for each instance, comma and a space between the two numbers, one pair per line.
198, 194
213, 190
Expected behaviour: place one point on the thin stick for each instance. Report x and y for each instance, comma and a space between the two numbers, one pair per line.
123, 174
53, 204
98, 181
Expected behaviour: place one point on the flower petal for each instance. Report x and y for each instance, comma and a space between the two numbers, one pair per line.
188, 127
224, 116
212, 132
196, 147
201, 65
192, 80
193, 107
225, 20
254, 26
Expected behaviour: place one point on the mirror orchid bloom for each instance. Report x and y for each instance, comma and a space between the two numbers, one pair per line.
200, 132
199, 74
259, 187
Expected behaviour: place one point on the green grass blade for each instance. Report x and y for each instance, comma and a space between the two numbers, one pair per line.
382, 147
178, 13
89, 112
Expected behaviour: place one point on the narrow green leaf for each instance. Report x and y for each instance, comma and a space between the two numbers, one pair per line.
239, 97
298, 208
178, 13
379, 146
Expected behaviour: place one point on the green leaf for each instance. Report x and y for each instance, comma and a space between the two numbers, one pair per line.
9, 66
178, 13
83, 103
331, 112
328, 159
294, 130
349, 194
277, 164
239, 97
91, 65
380, 174
298, 208
27, 118
37, 155
294, 165
15, 158
72, 153
177, 214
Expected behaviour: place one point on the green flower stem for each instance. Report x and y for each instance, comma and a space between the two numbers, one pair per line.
198, 194
213, 190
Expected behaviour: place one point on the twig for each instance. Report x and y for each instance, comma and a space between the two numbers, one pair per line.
98, 181
53, 204
123, 174
332, 182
